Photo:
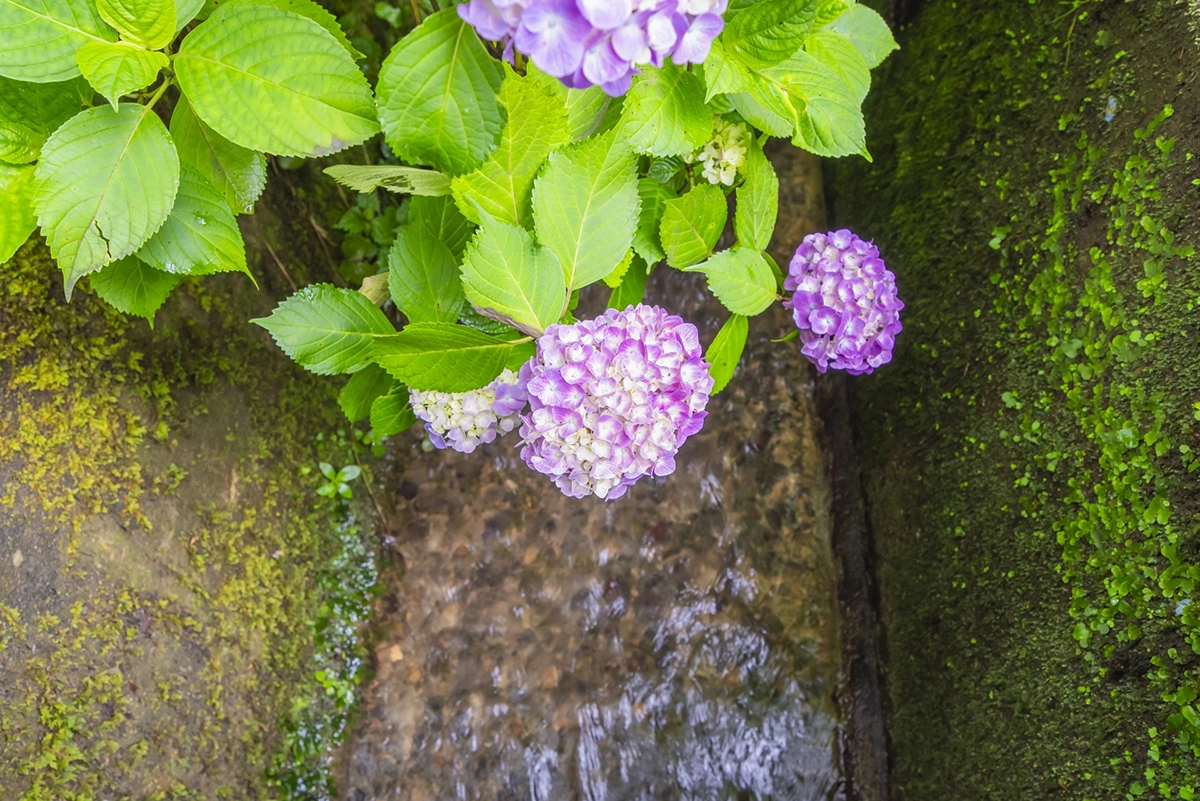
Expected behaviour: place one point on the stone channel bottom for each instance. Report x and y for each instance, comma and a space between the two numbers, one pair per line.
678, 643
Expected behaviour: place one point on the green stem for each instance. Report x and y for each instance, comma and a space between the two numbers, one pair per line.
158, 93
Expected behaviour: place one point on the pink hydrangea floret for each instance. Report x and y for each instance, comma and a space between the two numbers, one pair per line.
465, 420
612, 399
844, 302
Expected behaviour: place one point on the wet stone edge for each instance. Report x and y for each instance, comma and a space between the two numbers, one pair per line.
861, 697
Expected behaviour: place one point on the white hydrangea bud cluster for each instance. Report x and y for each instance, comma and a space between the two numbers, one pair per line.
725, 154
465, 420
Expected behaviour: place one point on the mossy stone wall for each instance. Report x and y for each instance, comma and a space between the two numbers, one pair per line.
158, 538
1028, 457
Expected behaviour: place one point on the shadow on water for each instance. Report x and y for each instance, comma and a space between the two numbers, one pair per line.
679, 643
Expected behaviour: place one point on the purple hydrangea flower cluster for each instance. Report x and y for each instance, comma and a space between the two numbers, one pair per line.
599, 42
612, 399
845, 302
465, 420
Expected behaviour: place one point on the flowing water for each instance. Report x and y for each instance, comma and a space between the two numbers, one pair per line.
679, 643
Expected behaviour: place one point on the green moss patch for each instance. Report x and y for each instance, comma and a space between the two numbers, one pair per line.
166, 561
1029, 456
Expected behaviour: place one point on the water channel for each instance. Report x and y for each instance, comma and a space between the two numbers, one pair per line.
680, 643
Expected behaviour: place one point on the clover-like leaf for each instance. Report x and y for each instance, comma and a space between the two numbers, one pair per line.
295, 91
105, 183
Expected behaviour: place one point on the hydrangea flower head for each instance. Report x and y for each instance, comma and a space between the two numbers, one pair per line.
725, 154
612, 399
844, 302
465, 420
599, 42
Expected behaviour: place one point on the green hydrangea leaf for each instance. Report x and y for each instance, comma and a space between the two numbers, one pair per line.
828, 11
614, 279
826, 116
760, 116
392, 413
18, 144
299, 93
17, 220
757, 200
585, 111
327, 329
30, 112
448, 358
41, 36
537, 125
106, 181
723, 73
145, 23
741, 279
585, 207
646, 239
394, 178
238, 173
867, 31
692, 224
440, 218
842, 59
200, 236
363, 388
186, 11
132, 287
769, 31
119, 68
423, 277
314, 11
633, 286
726, 350
664, 112
437, 96
509, 278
